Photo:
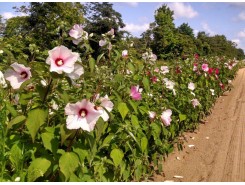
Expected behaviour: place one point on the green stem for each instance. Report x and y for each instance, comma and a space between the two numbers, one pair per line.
47, 91
71, 142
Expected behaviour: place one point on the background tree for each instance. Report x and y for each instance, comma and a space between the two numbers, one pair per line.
185, 29
2, 26
101, 18
164, 41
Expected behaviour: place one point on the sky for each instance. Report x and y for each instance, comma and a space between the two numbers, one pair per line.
222, 18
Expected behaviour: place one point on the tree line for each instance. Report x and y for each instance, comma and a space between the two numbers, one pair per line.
46, 24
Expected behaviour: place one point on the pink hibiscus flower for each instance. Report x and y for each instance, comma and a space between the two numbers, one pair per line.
78, 34
195, 102
205, 67
135, 92
17, 75
152, 115
166, 117
125, 53
81, 115
105, 103
61, 59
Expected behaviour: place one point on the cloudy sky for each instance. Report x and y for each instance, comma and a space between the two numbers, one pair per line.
212, 17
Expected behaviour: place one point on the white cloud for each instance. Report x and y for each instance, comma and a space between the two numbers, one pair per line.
195, 32
237, 41
182, 10
136, 28
207, 29
8, 15
241, 16
241, 34
132, 4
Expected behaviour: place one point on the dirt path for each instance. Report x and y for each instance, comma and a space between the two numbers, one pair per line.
218, 153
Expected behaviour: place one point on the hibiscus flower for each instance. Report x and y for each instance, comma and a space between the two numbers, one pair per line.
17, 75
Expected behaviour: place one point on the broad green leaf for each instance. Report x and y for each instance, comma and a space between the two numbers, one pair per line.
81, 151
107, 141
134, 120
16, 120
182, 117
143, 143
68, 163
123, 109
25, 98
133, 105
35, 119
131, 67
91, 64
41, 90
143, 110
11, 109
38, 168
117, 156
99, 128
146, 83
15, 156
156, 128
50, 142
65, 133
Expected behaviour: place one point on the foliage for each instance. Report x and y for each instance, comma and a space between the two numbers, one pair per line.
36, 144
101, 18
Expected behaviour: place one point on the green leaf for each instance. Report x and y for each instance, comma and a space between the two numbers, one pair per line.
16, 120
68, 163
64, 96
117, 156
50, 142
134, 120
99, 128
99, 57
41, 90
123, 109
35, 119
65, 133
91, 64
38, 168
25, 98
143, 110
131, 67
143, 143
182, 117
15, 156
133, 105
11, 109
81, 151
107, 140
146, 83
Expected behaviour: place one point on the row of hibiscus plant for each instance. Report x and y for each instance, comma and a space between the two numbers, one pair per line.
114, 118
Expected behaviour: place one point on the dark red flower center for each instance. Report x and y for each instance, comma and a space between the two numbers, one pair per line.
59, 62
23, 74
83, 113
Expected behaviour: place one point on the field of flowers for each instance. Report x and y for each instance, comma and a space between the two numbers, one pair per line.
71, 117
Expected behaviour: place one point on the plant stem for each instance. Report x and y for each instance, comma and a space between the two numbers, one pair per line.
71, 142
47, 91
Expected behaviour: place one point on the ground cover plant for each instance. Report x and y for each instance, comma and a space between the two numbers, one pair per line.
67, 115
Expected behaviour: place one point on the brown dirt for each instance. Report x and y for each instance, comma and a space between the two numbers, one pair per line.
218, 154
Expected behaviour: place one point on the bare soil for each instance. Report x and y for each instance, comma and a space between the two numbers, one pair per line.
218, 154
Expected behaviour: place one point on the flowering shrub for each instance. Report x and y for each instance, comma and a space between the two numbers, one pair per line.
114, 118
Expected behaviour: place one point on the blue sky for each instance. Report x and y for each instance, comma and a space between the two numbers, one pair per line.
212, 17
